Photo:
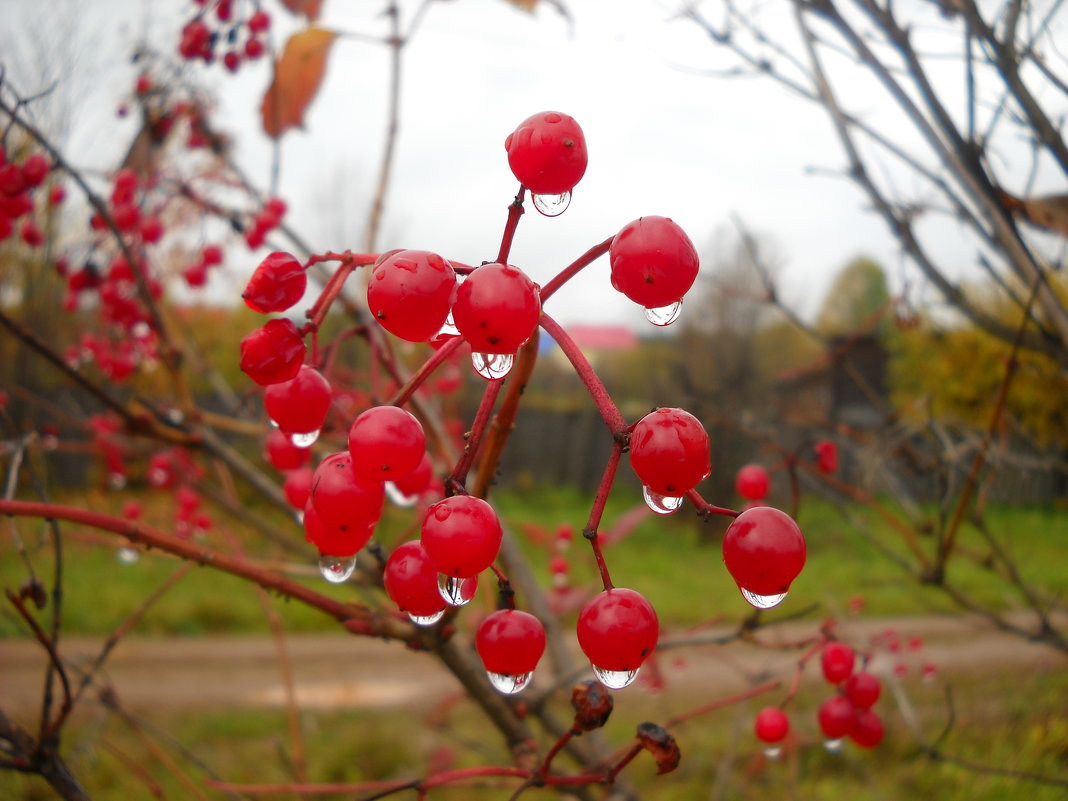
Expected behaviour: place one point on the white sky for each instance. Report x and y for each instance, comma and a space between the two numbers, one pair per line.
663, 138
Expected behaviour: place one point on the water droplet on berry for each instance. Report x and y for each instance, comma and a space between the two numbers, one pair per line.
117, 481
833, 746
665, 315
492, 366
615, 679
127, 555
661, 504
456, 591
509, 684
552, 205
762, 601
272, 422
337, 569
140, 330
772, 751
426, 620
305, 440
398, 498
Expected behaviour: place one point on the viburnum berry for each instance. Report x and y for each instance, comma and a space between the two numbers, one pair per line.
867, 730
547, 153
654, 264
342, 501
418, 481
670, 452
836, 716
386, 442
273, 353
752, 482
297, 486
497, 308
411, 292
254, 48
764, 551
282, 453
151, 229
617, 630
510, 643
863, 689
300, 405
826, 456
462, 535
277, 284
837, 661
259, 22
35, 169
771, 725
411, 582
337, 547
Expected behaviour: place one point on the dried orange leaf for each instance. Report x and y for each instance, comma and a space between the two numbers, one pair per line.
297, 76
1049, 212
309, 8
526, 5
658, 742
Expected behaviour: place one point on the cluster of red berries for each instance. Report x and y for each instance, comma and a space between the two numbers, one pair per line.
214, 29
17, 183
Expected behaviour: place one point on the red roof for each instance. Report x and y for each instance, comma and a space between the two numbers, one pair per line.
603, 337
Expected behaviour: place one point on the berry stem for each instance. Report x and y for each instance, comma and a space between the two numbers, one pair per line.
594, 521
706, 509
610, 413
557, 747
505, 593
573, 269
458, 477
349, 261
795, 683
515, 211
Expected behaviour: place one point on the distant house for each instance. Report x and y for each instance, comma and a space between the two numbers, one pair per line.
595, 341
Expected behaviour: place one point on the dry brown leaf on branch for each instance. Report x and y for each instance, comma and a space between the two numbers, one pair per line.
1050, 212
297, 76
658, 742
309, 8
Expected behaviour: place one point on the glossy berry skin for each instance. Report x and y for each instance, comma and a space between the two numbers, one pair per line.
411, 292
341, 500
863, 690
300, 405
752, 482
547, 153
333, 541
497, 308
771, 725
274, 353
386, 442
510, 642
670, 451
411, 580
653, 262
764, 550
867, 730
297, 486
462, 535
837, 662
283, 454
618, 629
836, 716
418, 481
277, 284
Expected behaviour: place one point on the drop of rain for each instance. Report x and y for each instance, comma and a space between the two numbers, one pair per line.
426, 620
665, 315
492, 366
509, 684
305, 440
833, 746
772, 751
552, 205
615, 679
762, 601
127, 555
337, 569
398, 498
661, 504
455, 591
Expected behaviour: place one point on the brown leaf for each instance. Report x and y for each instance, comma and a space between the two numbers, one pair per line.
1049, 212
656, 740
297, 77
526, 5
309, 8
592, 704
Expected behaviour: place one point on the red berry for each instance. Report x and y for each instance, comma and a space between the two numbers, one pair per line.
863, 689
151, 229
867, 729
283, 454
332, 540
826, 456
411, 292
411, 581
231, 60
462, 535
34, 169
752, 482
418, 481
276, 285
617, 630
212, 255
836, 716
259, 22
547, 153
670, 452
386, 442
31, 234
771, 725
764, 550
837, 661
56, 195
125, 187
274, 353
12, 181
510, 643
300, 405
254, 49
653, 262
342, 501
297, 486
497, 308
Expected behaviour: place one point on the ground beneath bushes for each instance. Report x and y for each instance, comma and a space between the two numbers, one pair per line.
343, 671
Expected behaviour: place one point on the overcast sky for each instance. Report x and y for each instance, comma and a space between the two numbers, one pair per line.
664, 137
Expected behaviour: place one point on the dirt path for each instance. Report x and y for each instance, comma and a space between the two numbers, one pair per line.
341, 671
